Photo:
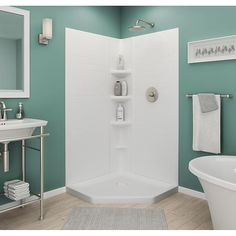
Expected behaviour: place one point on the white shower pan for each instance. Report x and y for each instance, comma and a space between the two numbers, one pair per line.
122, 188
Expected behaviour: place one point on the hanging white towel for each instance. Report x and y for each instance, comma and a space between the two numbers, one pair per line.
206, 128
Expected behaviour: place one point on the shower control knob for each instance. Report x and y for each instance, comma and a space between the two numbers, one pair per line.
151, 94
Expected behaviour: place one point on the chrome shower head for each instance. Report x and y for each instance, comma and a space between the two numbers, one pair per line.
138, 27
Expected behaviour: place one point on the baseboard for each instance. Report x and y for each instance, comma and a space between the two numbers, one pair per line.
181, 189
191, 192
54, 192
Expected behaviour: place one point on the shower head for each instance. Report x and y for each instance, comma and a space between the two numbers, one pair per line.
138, 27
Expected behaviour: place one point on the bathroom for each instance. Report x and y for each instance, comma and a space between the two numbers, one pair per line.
165, 124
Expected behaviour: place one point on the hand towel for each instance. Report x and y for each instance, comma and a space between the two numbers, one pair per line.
17, 198
15, 189
11, 182
8, 190
206, 128
208, 102
17, 195
17, 185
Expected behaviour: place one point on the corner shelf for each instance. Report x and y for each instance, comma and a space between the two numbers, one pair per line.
120, 73
120, 123
120, 98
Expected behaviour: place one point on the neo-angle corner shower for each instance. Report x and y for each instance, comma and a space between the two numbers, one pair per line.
132, 157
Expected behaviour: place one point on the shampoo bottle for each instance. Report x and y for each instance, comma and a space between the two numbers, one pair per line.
124, 88
117, 88
120, 113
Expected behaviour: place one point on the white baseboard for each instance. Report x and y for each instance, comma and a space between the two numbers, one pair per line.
191, 192
54, 192
184, 190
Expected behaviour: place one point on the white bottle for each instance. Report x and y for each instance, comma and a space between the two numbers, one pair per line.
120, 113
121, 63
124, 88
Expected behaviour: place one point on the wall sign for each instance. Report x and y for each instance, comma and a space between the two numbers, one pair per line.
215, 49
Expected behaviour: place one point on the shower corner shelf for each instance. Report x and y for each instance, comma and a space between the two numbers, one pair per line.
120, 73
120, 123
120, 98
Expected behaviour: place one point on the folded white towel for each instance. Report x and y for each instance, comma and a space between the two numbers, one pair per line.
206, 128
17, 198
11, 181
16, 189
17, 195
17, 185
8, 190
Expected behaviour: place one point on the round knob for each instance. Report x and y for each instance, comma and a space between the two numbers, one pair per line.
151, 94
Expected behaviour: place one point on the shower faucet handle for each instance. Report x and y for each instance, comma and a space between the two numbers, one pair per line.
152, 94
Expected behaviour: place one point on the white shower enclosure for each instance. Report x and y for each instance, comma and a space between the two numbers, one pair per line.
135, 161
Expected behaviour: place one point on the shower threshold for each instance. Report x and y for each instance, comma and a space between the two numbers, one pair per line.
125, 188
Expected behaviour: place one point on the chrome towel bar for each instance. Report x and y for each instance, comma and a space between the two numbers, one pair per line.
221, 95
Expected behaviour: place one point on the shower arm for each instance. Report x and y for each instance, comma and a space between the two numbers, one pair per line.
148, 23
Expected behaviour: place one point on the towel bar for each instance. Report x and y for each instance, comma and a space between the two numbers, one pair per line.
221, 95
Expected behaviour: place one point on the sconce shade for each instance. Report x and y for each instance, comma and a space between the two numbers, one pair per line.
47, 28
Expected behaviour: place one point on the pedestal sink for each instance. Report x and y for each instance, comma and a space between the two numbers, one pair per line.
13, 130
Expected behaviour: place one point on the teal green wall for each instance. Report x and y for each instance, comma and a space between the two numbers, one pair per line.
195, 23
47, 100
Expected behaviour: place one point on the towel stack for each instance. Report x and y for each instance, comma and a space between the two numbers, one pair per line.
16, 189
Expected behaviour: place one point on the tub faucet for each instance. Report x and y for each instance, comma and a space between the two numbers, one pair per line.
3, 111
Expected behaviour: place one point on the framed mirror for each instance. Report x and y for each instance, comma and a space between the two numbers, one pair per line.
14, 53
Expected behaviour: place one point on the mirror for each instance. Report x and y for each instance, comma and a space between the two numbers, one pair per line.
14, 53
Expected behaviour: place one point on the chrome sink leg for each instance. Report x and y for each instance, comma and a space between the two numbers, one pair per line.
5, 157
41, 171
23, 163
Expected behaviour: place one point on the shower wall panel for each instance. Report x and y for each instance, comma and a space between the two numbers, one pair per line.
89, 58
155, 125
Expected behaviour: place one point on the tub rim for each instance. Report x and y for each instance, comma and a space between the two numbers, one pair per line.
207, 177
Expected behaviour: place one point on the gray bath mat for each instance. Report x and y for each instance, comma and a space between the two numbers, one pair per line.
95, 218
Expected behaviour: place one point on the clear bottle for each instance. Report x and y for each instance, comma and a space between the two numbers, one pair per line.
120, 113
20, 113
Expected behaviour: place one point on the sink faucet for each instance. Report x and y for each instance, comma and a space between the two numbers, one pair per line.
3, 111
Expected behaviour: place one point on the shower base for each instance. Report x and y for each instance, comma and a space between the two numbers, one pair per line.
121, 188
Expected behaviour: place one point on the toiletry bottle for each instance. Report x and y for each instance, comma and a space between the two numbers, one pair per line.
120, 113
121, 63
117, 88
124, 88
20, 112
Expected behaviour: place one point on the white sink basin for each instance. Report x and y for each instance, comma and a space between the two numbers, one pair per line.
16, 129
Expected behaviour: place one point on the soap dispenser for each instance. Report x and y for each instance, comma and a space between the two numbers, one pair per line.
20, 112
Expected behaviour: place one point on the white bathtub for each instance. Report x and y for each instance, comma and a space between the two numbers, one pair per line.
217, 175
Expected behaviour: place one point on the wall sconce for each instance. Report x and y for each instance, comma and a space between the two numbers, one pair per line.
47, 31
